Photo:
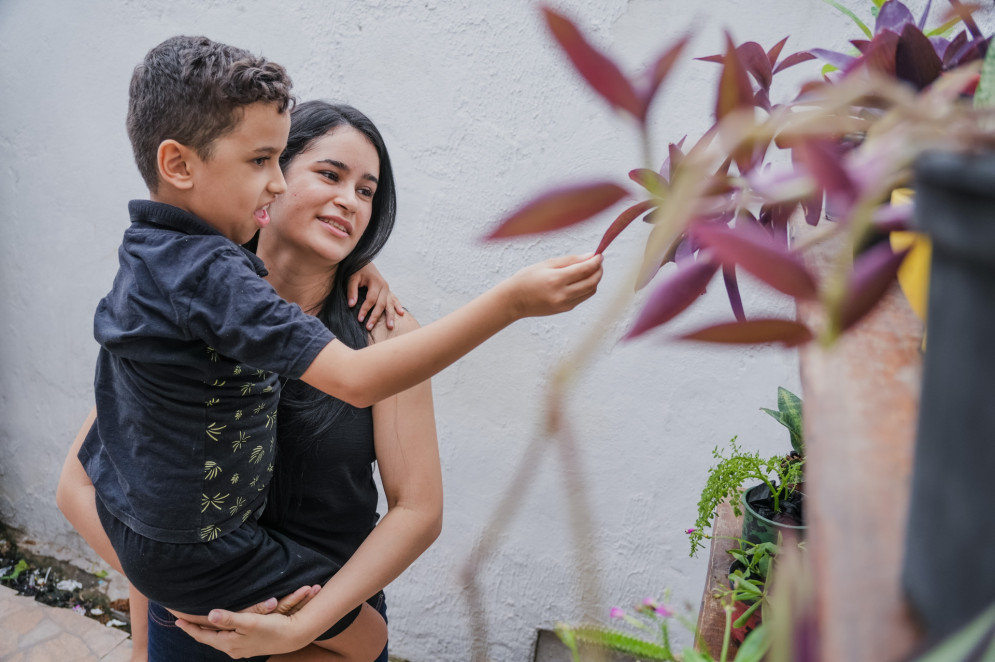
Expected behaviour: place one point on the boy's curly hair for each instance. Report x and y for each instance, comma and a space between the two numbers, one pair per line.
192, 90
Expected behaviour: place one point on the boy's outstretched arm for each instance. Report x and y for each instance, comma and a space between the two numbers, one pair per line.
365, 376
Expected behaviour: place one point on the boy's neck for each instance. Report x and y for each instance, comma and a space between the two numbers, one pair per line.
296, 279
178, 202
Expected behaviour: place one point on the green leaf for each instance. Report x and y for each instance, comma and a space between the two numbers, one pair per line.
618, 641
691, 655
790, 406
741, 621
860, 24
984, 96
755, 646
977, 637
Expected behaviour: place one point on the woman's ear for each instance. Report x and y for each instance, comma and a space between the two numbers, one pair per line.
174, 160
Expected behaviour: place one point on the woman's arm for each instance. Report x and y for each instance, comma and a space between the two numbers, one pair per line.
368, 375
75, 497
408, 459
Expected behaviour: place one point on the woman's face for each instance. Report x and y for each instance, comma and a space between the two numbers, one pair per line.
329, 197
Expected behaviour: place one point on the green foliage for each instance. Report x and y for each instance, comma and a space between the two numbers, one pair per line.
789, 414
613, 640
21, 566
727, 477
984, 97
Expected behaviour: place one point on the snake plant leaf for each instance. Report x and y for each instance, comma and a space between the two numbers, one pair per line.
754, 332
873, 272
674, 295
623, 221
789, 414
600, 72
755, 251
559, 208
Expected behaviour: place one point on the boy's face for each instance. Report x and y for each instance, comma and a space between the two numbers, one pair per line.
232, 189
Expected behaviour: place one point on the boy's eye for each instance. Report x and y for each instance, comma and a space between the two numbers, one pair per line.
261, 161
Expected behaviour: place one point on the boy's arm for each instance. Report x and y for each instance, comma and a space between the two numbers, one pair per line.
366, 376
379, 299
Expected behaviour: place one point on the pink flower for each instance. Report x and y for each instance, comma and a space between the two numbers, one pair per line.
649, 602
663, 611
690, 531
617, 612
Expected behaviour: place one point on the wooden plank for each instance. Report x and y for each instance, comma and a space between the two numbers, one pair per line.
726, 528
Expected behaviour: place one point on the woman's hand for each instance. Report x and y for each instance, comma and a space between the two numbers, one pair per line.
379, 299
245, 634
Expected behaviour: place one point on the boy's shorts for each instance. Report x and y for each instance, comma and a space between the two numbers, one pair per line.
235, 571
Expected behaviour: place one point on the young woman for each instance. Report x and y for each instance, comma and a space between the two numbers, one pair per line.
335, 217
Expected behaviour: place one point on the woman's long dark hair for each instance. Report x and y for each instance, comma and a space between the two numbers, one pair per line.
306, 414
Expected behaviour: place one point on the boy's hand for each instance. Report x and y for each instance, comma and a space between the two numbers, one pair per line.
379, 299
286, 605
554, 286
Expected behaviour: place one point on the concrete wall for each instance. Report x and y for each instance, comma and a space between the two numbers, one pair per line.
480, 112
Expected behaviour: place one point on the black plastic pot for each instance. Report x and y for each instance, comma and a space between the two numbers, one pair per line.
948, 571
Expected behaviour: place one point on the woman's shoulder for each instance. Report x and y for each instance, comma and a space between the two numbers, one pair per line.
402, 324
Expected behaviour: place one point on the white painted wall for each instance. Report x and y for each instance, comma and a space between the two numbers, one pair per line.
480, 112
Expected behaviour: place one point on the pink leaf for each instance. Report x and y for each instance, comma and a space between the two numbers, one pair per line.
674, 295
597, 69
623, 221
758, 254
752, 332
775, 51
873, 273
824, 161
793, 59
660, 71
559, 209
755, 60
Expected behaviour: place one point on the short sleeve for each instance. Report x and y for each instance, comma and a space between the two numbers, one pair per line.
241, 316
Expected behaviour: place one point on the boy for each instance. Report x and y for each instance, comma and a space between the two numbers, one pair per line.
192, 341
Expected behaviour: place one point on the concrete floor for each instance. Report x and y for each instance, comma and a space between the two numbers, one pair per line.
33, 632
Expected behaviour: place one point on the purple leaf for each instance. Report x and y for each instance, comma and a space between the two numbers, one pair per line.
735, 91
948, 49
753, 332
880, 53
601, 73
717, 59
915, 59
732, 291
793, 59
813, 208
756, 62
673, 160
873, 272
775, 51
891, 218
893, 16
824, 161
925, 14
673, 295
838, 60
966, 14
560, 208
623, 221
659, 72
762, 257
762, 100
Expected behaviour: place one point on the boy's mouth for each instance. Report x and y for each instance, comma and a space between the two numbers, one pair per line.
262, 216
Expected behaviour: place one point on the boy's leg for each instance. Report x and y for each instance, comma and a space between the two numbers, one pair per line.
362, 641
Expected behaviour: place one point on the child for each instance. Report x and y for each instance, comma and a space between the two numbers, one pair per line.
192, 341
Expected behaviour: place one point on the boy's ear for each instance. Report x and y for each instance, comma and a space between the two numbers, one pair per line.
174, 161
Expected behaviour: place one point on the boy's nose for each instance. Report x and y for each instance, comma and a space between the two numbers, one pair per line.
277, 184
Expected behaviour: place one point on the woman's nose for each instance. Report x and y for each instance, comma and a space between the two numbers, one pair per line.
346, 198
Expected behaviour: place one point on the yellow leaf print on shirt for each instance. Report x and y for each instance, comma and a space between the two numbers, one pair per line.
270, 420
238, 504
211, 402
257, 455
237, 371
213, 430
211, 470
236, 444
209, 532
238, 415
259, 408
215, 501
234, 478
213, 353
246, 388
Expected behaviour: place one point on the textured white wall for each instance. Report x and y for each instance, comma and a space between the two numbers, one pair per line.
480, 112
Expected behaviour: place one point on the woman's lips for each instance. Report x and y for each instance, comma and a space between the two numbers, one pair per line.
336, 226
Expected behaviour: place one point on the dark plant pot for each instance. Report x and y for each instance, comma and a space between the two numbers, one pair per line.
758, 528
947, 571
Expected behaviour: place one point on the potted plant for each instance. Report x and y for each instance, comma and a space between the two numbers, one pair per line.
721, 204
772, 502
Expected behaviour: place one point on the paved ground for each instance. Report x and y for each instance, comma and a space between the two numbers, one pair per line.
33, 632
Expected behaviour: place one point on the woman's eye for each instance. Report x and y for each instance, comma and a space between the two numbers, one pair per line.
330, 174
366, 193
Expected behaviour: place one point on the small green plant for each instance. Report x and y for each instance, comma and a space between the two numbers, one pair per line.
725, 479
789, 414
21, 566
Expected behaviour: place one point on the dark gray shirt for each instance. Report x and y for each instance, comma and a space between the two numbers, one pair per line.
191, 342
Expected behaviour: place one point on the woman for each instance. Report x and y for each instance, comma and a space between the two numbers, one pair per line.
323, 494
